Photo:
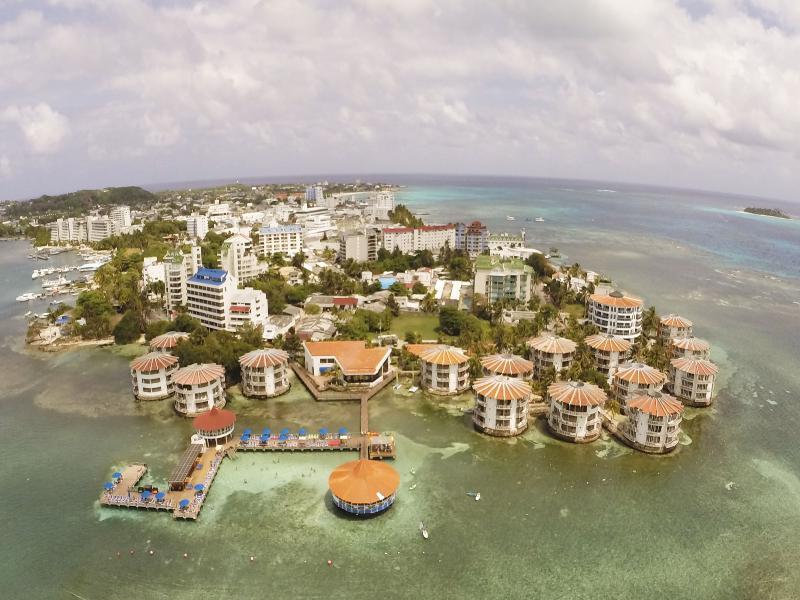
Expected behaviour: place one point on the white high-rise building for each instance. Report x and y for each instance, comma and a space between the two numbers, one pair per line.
98, 228
237, 257
410, 239
178, 268
121, 217
283, 239
214, 299
361, 246
219, 210
67, 230
380, 204
315, 193
197, 226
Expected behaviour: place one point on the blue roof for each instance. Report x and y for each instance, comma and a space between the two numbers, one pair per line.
145, 495
302, 431
248, 431
209, 276
267, 431
285, 431
323, 431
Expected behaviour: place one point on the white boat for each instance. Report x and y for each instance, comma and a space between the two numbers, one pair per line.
53, 283
476, 495
412, 487
539, 219
510, 218
28, 296
423, 530
413, 389
29, 313
92, 266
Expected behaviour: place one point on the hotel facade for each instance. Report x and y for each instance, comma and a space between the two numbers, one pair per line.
616, 314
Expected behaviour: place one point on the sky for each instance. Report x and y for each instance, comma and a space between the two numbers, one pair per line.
694, 93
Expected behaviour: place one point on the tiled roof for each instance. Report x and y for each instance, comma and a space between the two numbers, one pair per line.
363, 481
656, 404
691, 343
616, 299
695, 366
640, 373
675, 321
501, 387
168, 340
153, 361
266, 357
576, 393
353, 356
507, 364
608, 342
214, 420
438, 354
198, 374
552, 344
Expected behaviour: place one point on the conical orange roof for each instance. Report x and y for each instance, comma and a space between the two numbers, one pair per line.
695, 366
444, 355
506, 364
501, 387
656, 404
265, 357
675, 321
214, 420
577, 393
363, 481
691, 343
198, 374
608, 342
552, 344
167, 341
153, 361
640, 373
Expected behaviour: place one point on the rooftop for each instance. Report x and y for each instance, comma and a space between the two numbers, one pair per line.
552, 344
153, 361
501, 387
198, 373
656, 404
696, 366
364, 481
214, 420
264, 357
353, 357
438, 354
608, 342
506, 364
486, 263
640, 373
577, 393
618, 299
675, 321
209, 276
168, 340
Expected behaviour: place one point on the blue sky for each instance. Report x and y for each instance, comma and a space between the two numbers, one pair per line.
695, 93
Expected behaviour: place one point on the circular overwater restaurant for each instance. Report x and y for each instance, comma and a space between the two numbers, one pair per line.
364, 487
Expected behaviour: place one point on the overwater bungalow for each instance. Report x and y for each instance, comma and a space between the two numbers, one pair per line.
692, 380
166, 342
690, 347
510, 365
359, 365
653, 422
443, 369
616, 313
634, 378
501, 405
265, 373
574, 410
673, 327
364, 487
551, 351
199, 388
609, 351
152, 376
215, 427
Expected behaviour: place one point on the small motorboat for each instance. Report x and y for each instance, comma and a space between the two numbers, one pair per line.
423, 530
476, 495
539, 219
412, 487
510, 218
28, 296
413, 389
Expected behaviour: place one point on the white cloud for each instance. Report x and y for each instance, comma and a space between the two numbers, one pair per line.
644, 90
5, 167
44, 129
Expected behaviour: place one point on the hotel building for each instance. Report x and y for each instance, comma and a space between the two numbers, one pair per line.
635, 378
360, 246
280, 239
151, 376
497, 279
609, 351
238, 259
197, 226
574, 410
690, 347
472, 238
501, 405
672, 327
444, 370
616, 314
551, 351
507, 364
213, 298
199, 388
692, 380
359, 365
178, 268
413, 239
265, 373
653, 423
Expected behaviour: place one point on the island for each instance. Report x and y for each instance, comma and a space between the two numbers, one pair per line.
767, 212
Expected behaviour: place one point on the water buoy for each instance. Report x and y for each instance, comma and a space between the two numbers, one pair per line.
252, 558
185, 555
151, 553
330, 563
132, 550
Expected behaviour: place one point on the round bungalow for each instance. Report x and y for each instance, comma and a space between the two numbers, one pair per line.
692, 380
152, 376
215, 427
673, 327
501, 405
617, 314
443, 369
609, 351
690, 347
551, 351
653, 423
510, 365
574, 410
265, 373
199, 388
633, 378
364, 487
166, 342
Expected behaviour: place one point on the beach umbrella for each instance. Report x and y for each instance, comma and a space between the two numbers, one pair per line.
267, 432
183, 503
199, 487
342, 430
302, 431
245, 436
284, 437
264, 437
160, 496
323, 431
247, 431
117, 475
108, 485
145, 495
285, 431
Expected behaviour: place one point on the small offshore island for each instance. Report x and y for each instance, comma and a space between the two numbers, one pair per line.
341, 290
767, 212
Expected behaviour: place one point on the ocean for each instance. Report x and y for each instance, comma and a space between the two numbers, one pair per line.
719, 518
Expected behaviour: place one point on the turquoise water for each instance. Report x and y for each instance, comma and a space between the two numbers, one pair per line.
555, 520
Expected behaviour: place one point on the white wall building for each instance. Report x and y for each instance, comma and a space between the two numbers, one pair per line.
501, 405
361, 246
692, 380
654, 422
551, 351
410, 240
631, 379
208, 294
151, 376
315, 193
443, 369
197, 226
98, 228
199, 388
237, 258
178, 268
121, 217
283, 239
616, 314
218, 211
265, 373
574, 410
246, 306
381, 204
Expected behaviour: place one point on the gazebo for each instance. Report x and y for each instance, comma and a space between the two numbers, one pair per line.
364, 487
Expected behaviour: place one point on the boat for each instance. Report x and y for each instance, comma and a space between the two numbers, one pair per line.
476, 495
423, 530
53, 283
28, 296
539, 219
29, 313
92, 266
412, 487
510, 218
413, 389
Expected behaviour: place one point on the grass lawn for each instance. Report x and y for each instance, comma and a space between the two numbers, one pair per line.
422, 323
576, 310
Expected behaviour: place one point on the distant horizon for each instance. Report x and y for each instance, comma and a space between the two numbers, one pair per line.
310, 178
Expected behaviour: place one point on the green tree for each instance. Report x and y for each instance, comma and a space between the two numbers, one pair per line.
127, 330
96, 310
419, 288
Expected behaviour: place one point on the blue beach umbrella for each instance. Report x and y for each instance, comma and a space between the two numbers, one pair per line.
302, 431
247, 431
160, 496
108, 485
284, 437
285, 431
264, 437
183, 503
145, 495
267, 432
342, 430
323, 431
245, 436
117, 475
199, 487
